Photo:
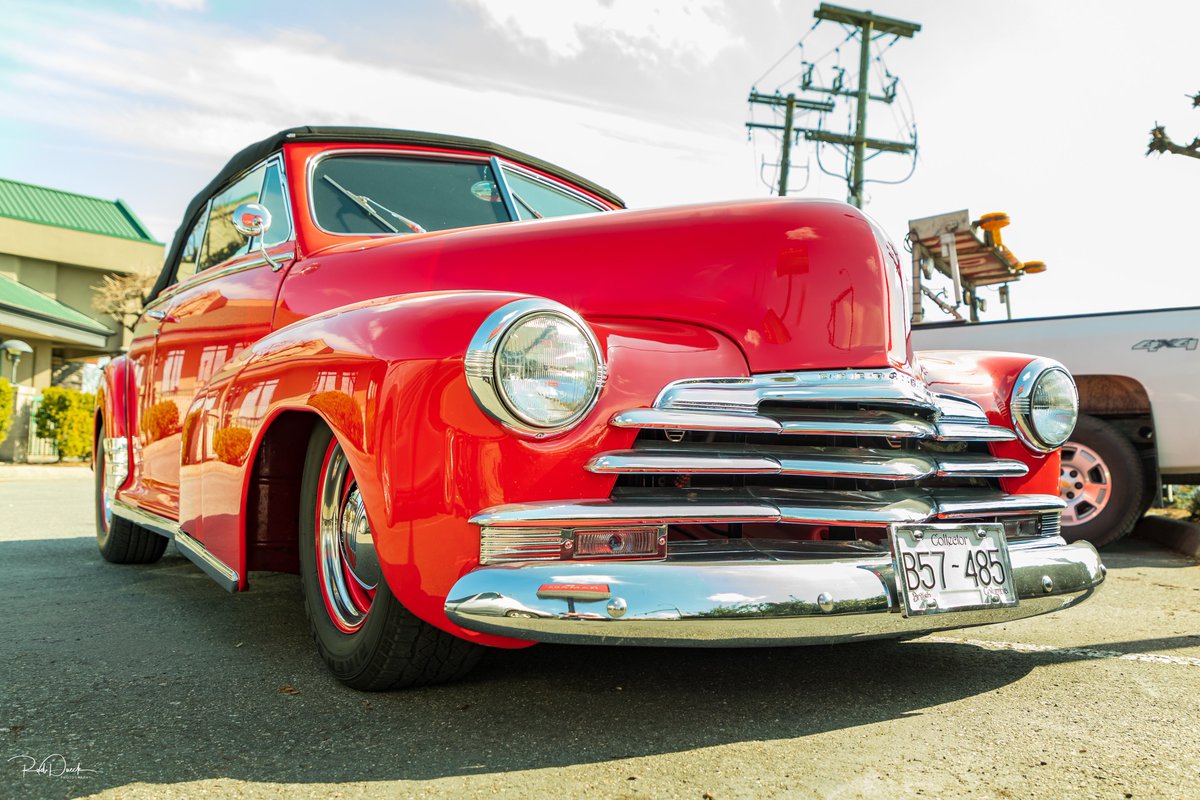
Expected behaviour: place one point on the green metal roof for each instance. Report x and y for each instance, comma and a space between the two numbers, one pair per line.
77, 212
29, 302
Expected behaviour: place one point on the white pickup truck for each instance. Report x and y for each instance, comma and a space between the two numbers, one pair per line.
1138, 374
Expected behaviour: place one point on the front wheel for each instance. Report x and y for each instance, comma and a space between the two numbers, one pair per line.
366, 637
120, 541
1102, 480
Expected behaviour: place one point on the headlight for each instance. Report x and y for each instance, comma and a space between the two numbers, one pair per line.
1045, 404
535, 366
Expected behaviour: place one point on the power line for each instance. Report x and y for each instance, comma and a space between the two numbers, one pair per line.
868, 28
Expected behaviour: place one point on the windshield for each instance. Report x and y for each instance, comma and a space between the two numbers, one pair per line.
370, 195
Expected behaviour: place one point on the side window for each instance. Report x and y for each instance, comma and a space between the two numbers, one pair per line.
222, 241
276, 202
190, 256
535, 199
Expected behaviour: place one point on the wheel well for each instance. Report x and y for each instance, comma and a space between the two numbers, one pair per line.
273, 498
1124, 404
1108, 395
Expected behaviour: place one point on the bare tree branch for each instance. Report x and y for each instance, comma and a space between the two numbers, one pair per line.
121, 297
1160, 142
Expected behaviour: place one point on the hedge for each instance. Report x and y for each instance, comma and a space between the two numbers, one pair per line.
7, 396
66, 416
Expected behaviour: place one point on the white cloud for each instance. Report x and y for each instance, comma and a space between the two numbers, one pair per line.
204, 91
177, 5
645, 30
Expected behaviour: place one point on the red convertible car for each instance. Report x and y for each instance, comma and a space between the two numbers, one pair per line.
472, 401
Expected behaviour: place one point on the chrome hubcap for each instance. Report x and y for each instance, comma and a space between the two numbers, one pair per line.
108, 495
1085, 482
347, 563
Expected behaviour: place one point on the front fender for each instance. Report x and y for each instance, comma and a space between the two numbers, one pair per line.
113, 404
387, 377
987, 378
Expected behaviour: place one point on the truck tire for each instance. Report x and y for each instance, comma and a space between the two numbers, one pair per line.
120, 541
1103, 482
367, 638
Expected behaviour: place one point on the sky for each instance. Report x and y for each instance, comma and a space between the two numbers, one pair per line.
1038, 108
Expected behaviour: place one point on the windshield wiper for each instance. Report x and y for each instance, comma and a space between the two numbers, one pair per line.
525, 203
365, 203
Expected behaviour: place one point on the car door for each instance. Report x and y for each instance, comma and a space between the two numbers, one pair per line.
206, 319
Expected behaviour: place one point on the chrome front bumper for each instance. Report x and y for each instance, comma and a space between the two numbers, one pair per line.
741, 593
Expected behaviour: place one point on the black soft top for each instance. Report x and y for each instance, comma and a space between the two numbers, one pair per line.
251, 155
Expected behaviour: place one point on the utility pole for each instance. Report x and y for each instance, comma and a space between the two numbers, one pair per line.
868, 24
790, 104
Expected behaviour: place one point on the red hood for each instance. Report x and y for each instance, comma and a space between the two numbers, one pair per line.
798, 284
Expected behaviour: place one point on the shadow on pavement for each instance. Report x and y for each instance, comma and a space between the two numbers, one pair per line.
154, 674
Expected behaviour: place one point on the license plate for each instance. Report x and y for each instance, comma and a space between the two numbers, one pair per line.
942, 568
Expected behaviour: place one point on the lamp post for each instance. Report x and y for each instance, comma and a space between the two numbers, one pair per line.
14, 349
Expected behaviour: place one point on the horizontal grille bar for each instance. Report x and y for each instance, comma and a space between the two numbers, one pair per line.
831, 462
884, 424
818, 507
871, 387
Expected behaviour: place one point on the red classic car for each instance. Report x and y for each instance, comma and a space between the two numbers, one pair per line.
471, 400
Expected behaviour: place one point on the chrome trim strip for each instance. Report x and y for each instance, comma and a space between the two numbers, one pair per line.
510, 204
958, 504
864, 463
745, 593
970, 432
659, 419
804, 506
887, 424
160, 525
218, 570
201, 278
591, 513
225, 576
874, 386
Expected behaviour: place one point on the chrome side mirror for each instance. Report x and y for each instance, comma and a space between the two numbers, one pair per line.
253, 220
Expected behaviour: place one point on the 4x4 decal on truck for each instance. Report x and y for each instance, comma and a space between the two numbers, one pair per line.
1154, 345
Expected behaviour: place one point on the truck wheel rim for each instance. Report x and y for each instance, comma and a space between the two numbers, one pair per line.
347, 565
1085, 482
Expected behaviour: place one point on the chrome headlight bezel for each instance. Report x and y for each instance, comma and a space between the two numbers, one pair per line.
1021, 404
480, 365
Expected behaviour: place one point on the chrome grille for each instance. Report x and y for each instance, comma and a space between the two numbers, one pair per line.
863, 448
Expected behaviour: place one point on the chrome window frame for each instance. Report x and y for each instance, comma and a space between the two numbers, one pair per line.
265, 164
202, 221
550, 183
277, 158
217, 270
315, 160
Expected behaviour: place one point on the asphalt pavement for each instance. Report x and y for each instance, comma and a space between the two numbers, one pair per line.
151, 682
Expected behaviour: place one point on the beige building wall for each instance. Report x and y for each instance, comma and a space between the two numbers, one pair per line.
65, 265
90, 250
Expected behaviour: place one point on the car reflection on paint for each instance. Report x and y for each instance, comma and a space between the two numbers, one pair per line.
494, 604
